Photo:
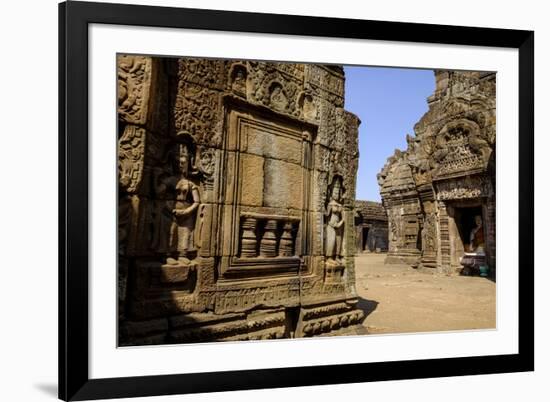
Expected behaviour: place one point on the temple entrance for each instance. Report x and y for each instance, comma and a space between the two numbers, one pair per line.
364, 246
467, 230
465, 219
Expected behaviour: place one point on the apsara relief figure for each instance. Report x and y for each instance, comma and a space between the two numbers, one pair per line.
335, 222
187, 200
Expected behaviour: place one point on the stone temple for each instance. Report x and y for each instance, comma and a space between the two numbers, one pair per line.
371, 223
236, 200
439, 194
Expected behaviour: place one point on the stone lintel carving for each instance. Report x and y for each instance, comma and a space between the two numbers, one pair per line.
464, 188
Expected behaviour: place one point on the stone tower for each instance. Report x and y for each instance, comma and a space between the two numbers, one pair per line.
236, 200
436, 190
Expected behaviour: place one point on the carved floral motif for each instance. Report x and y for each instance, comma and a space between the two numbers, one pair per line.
429, 233
134, 73
273, 87
464, 188
197, 106
131, 147
206, 161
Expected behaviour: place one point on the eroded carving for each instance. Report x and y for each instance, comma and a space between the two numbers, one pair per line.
237, 79
134, 75
465, 188
223, 200
185, 207
335, 223
131, 148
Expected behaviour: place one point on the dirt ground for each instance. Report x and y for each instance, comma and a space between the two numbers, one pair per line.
398, 298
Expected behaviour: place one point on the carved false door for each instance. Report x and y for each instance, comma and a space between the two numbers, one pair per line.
265, 186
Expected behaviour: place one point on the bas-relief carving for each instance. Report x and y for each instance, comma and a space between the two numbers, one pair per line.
395, 230
176, 201
429, 233
237, 79
218, 200
278, 100
274, 86
134, 80
187, 200
131, 146
465, 188
327, 83
134, 76
265, 217
335, 220
308, 106
335, 223
459, 148
198, 99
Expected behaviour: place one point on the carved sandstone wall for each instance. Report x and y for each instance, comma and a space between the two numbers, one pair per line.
236, 200
447, 171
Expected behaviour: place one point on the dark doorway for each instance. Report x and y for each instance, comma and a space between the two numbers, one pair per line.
365, 238
465, 221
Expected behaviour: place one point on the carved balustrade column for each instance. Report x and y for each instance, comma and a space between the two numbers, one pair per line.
286, 246
268, 244
249, 238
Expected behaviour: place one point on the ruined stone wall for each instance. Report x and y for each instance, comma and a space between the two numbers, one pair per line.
236, 200
447, 169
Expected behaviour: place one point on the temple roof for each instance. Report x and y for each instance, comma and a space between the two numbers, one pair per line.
371, 210
397, 176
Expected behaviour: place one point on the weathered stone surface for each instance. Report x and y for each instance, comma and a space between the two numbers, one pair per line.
283, 182
252, 180
371, 223
274, 145
231, 225
176, 273
433, 191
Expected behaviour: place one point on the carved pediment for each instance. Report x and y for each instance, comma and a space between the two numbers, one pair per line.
460, 150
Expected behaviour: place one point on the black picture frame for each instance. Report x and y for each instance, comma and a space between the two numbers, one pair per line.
74, 381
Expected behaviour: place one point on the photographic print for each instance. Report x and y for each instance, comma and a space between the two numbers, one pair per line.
262, 200
235, 185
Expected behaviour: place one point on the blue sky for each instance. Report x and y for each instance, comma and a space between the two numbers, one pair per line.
389, 102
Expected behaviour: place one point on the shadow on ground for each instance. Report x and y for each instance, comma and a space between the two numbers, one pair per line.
491, 276
48, 389
368, 306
